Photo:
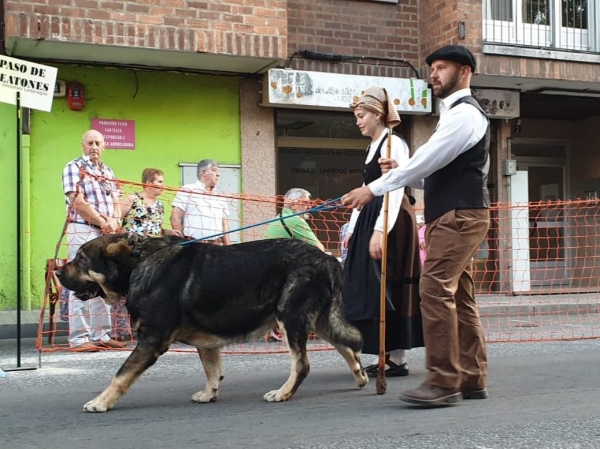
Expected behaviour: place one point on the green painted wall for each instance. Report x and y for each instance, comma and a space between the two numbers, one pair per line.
179, 118
8, 163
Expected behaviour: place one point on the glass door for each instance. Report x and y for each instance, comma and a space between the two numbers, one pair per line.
500, 21
536, 18
547, 225
574, 33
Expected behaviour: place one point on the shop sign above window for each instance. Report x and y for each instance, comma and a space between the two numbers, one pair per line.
332, 91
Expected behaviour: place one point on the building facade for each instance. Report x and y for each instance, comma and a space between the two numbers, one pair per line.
263, 86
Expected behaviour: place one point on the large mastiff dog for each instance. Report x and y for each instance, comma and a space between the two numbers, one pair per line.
209, 296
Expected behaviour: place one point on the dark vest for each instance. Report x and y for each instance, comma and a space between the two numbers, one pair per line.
462, 184
372, 170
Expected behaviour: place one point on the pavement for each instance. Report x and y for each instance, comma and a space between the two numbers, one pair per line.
525, 307
543, 395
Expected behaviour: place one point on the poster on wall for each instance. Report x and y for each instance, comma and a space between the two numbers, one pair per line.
118, 134
35, 82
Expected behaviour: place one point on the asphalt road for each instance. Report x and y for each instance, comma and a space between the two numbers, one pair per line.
543, 395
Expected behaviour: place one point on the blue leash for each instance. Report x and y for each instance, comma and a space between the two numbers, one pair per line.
321, 208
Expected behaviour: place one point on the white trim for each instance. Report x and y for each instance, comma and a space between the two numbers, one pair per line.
539, 53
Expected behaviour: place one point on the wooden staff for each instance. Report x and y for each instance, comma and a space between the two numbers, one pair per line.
381, 384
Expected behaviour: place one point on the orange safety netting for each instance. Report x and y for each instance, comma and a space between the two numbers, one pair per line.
537, 274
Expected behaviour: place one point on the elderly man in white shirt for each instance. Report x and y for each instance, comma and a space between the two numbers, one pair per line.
452, 167
199, 211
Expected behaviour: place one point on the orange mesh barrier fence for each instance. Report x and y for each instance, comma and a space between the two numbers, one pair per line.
536, 275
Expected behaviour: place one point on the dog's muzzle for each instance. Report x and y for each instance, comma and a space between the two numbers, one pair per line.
93, 291
83, 292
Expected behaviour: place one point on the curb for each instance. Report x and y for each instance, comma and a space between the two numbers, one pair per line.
8, 331
487, 309
539, 308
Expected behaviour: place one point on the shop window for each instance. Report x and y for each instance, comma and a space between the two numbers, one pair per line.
324, 153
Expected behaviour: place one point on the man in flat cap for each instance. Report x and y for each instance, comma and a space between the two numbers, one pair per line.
452, 167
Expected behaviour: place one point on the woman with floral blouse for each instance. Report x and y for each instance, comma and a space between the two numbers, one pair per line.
143, 214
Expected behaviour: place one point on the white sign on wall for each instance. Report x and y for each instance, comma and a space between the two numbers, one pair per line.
34, 81
496, 103
333, 91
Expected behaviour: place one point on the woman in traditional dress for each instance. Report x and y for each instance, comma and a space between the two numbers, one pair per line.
375, 113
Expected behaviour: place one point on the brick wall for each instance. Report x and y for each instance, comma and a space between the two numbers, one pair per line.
409, 30
439, 21
237, 27
355, 28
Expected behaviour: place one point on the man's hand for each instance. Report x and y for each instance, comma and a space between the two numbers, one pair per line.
376, 245
111, 226
358, 197
387, 164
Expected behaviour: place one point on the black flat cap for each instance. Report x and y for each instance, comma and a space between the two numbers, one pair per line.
454, 53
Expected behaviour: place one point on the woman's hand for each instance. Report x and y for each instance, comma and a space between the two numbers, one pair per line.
346, 242
376, 245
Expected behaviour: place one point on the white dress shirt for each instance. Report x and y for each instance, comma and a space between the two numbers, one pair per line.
458, 130
400, 153
203, 210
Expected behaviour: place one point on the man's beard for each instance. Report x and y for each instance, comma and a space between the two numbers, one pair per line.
446, 90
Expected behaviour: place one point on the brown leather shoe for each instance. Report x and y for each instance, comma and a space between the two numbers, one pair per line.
475, 393
85, 347
111, 344
431, 395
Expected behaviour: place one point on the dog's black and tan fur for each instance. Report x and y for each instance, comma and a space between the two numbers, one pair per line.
208, 296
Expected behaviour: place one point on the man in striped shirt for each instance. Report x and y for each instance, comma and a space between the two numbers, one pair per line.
92, 199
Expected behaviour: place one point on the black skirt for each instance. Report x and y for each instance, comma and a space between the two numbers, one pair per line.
362, 275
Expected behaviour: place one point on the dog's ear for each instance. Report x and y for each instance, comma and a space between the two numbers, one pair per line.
120, 248
136, 243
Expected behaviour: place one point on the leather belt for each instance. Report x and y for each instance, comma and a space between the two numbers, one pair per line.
88, 224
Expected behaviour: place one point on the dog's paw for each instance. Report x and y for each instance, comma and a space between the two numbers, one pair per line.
204, 397
95, 406
276, 396
361, 378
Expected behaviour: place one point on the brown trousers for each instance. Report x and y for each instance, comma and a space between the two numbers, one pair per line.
456, 355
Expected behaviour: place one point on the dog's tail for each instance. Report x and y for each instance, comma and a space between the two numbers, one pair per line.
340, 331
